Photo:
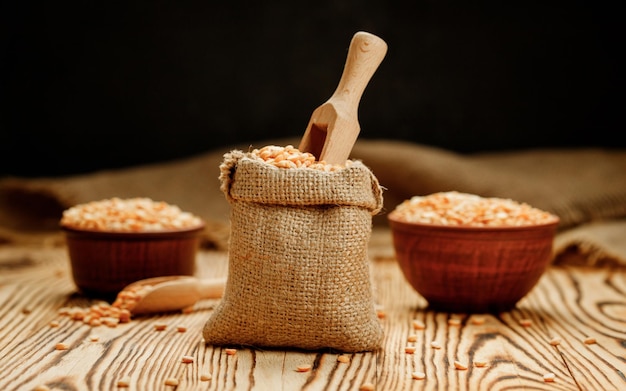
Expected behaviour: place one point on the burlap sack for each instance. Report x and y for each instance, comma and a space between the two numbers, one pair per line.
298, 265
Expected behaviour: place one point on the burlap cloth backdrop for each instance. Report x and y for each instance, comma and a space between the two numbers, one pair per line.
585, 187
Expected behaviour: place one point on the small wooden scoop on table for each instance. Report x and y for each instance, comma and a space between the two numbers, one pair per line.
329, 136
169, 293
334, 126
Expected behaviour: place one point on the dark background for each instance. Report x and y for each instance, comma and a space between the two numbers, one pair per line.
97, 85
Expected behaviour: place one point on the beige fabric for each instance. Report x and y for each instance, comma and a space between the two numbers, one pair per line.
298, 272
600, 243
581, 186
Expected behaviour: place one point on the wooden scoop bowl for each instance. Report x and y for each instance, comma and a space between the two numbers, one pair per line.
171, 293
334, 126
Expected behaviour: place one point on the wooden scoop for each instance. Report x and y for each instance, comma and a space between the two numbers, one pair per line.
334, 126
171, 293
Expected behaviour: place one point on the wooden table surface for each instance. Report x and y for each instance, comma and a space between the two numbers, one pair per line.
569, 303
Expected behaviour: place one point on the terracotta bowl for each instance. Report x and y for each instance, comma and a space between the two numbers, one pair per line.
103, 263
472, 269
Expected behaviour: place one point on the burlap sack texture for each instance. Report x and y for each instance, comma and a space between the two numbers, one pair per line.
299, 272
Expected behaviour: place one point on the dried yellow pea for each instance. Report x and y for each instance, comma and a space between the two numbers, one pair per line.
418, 325
555, 341
418, 375
459, 365
171, 381
435, 345
477, 320
526, 322
123, 382
454, 322
188, 310
303, 368
549, 377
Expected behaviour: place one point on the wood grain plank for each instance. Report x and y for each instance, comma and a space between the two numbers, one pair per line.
570, 303
567, 303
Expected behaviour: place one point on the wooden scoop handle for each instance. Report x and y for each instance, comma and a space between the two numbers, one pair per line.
334, 126
365, 54
211, 288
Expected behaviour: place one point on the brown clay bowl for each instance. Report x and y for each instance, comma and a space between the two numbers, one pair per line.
472, 269
103, 263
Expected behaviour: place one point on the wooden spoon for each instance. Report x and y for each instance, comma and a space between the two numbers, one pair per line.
170, 293
334, 126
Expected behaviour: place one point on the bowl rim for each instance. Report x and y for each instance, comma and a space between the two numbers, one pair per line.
502, 228
135, 234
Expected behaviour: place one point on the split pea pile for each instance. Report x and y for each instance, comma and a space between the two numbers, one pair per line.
462, 209
291, 157
97, 314
106, 314
138, 214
